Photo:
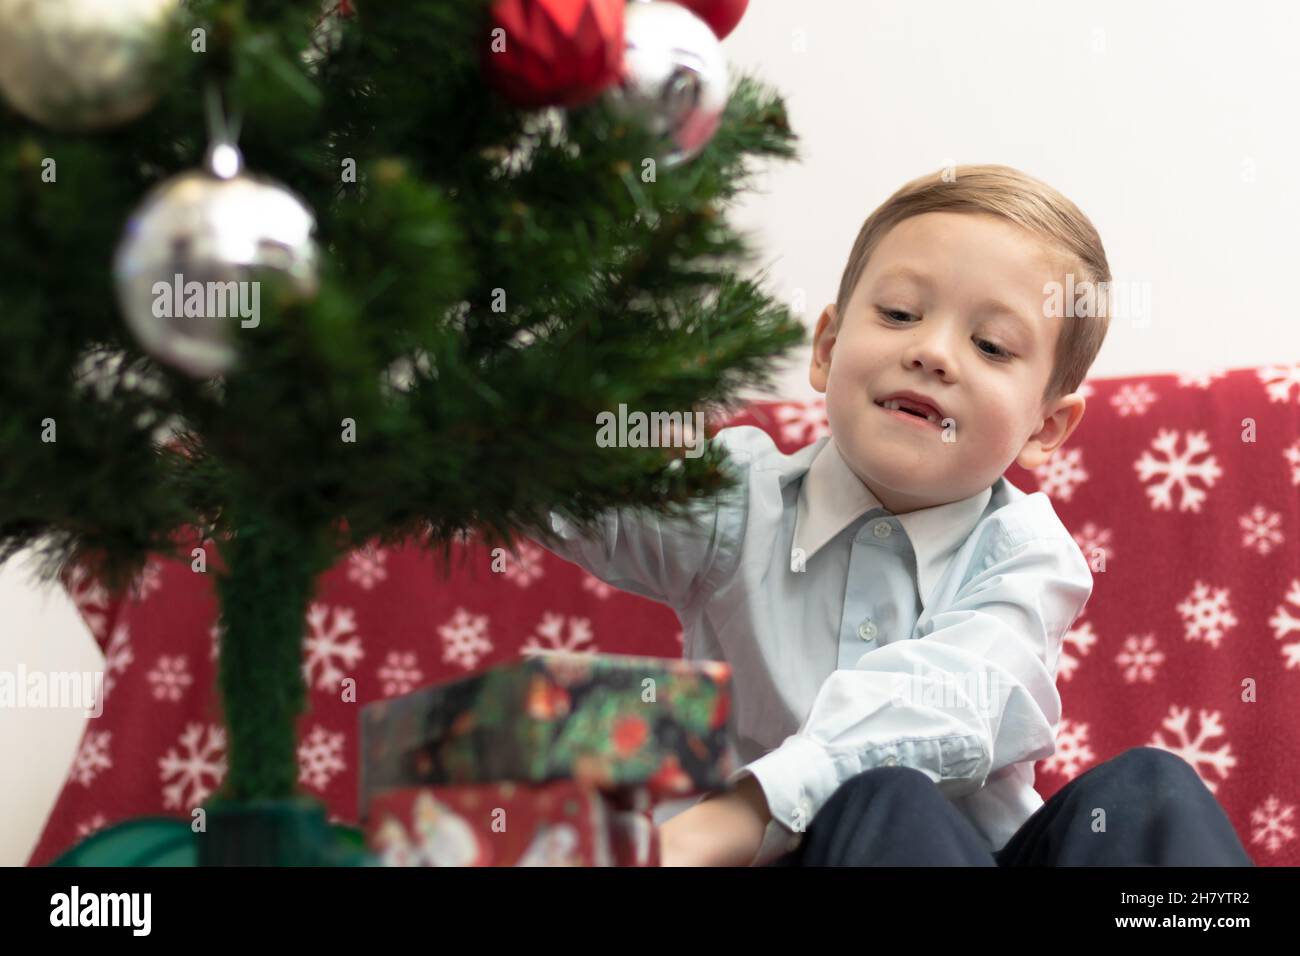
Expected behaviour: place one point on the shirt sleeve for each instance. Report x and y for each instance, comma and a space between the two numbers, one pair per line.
669, 560
973, 692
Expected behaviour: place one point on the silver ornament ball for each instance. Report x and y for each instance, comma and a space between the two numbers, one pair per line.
674, 78
81, 65
189, 266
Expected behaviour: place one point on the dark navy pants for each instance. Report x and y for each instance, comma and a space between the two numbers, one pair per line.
1157, 813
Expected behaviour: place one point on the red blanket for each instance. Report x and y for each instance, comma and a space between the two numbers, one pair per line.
1183, 492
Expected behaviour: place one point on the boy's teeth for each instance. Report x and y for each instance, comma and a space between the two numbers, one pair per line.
893, 405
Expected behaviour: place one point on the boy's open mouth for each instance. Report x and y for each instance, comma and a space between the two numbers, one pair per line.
910, 411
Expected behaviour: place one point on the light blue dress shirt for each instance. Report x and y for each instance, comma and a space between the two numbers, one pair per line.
859, 638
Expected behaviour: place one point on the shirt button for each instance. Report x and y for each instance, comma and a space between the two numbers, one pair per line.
867, 630
803, 815
882, 529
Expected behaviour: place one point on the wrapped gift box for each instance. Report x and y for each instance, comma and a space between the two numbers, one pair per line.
633, 839
636, 728
562, 823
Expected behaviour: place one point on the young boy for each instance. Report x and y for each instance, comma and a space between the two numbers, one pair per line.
892, 608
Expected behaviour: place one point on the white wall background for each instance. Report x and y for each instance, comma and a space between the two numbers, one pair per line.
1172, 125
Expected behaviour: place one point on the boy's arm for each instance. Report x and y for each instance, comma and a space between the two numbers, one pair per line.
665, 560
640, 552
724, 829
974, 693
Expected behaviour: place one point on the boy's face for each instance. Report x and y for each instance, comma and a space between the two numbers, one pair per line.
948, 347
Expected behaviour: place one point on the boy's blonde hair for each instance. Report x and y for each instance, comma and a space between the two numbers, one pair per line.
1012, 195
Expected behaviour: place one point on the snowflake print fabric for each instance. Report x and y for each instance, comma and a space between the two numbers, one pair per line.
1181, 491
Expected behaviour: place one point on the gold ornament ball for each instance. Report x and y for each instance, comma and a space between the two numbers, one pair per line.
80, 65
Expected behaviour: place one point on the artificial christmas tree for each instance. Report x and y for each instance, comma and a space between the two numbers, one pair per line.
486, 280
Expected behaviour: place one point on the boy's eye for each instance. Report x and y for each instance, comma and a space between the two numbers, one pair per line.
994, 351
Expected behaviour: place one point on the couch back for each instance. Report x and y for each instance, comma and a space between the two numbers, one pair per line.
1183, 492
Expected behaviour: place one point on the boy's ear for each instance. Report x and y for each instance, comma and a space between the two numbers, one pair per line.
1062, 419
823, 342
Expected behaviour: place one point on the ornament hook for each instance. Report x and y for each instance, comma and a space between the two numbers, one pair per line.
223, 159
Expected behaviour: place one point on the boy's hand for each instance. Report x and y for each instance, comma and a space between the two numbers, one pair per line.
726, 829
673, 450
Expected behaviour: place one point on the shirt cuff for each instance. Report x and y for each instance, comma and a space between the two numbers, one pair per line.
796, 778
777, 842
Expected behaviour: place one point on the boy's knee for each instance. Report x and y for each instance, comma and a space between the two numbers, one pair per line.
1155, 762
894, 779
1160, 771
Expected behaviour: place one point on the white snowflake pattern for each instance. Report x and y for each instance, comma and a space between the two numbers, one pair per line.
1260, 530
92, 757
1178, 470
90, 597
1278, 379
1133, 399
596, 586
118, 656
681, 638
329, 657
524, 565
552, 631
1206, 614
400, 673
1193, 749
1203, 379
87, 827
214, 635
1140, 658
148, 581
1091, 540
1284, 623
1086, 389
1058, 476
802, 422
1292, 454
320, 757
1081, 638
198, 769
464, 639
169, 678
366, 566
1271, 824
1073, 752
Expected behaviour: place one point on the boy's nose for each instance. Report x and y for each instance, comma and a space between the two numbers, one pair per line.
926, 357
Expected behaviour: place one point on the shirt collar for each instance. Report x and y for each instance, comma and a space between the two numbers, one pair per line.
833, 497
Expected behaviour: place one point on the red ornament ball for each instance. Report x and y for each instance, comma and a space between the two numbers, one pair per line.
554, 52
721, 15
